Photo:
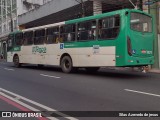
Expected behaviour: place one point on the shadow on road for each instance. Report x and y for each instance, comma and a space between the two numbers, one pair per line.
103, 72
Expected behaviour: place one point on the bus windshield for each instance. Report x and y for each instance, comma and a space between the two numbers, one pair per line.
140, 22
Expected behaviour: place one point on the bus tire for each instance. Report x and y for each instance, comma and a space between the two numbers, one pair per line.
16, 61
92, 69
66, 64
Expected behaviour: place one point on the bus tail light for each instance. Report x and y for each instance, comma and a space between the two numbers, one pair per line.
129, 46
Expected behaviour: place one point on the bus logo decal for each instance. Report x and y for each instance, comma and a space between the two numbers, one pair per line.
61, 45
134, 51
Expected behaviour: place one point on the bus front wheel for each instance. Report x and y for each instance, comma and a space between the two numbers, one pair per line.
66, 64
16, 61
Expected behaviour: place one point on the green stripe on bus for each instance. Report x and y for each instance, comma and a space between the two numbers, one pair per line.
101, 43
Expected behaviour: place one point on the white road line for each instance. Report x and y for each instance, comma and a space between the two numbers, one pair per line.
9, 69
145, 93
38, 104
25, 105
49, 76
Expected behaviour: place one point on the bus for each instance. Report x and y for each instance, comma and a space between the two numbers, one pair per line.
122, 38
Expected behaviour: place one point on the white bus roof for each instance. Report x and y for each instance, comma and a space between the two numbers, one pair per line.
43, 27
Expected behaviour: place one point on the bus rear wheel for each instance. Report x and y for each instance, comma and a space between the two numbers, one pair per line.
16, 61
66, 64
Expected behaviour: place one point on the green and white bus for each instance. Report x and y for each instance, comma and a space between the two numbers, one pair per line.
122, 38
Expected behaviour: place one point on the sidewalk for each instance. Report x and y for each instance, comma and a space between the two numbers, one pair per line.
155, 71
134, 69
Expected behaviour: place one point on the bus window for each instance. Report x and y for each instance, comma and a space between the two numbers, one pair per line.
141, 23
28, 38
39, 37
68, 33
10, 42
52, 35
19, 39
108, 28
86, 31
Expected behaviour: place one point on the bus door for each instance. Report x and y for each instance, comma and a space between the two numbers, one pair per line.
10, 45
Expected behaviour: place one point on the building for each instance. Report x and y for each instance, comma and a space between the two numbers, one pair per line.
10, 9
153, 8
9, 12
62, 10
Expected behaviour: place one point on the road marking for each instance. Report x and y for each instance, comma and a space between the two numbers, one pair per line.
9, 69
15, 103
49, 76
145, 93
37, 104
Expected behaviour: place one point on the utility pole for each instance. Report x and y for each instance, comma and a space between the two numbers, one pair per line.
82, 7
10, 13
11, 18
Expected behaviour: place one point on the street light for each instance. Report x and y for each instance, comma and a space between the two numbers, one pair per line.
10, 15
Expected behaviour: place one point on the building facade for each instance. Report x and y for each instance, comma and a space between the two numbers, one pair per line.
9, 12
153, 8
10, 9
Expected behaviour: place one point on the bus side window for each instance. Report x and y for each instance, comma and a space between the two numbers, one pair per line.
108, 28
39, 37
28, 38
19, 39
86, 31
52, 35
68, 33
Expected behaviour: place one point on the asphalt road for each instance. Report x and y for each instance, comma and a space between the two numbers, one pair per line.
48, 89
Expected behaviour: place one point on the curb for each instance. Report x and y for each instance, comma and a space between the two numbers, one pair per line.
154, 71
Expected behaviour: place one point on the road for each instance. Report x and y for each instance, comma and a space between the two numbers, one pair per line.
48, 89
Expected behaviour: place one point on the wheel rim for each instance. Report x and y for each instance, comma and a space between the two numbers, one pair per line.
67, 64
